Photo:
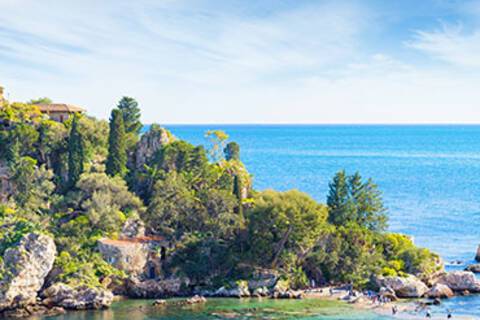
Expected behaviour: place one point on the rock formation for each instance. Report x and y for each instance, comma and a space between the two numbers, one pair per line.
404, 287
239, 290
475, 268
460, 281
79, 298
25, 269
150, 143
439, 291
155, 288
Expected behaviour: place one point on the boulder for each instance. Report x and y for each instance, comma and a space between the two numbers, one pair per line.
262, 279
239, 290
78, 298
25, 268
477, 255
155, 289
196, 299
159, 302
388, 293
439, 291
475, 268
404, 287
261, 292
460, 281
32, 311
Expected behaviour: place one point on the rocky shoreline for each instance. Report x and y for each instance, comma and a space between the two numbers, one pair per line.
26, 289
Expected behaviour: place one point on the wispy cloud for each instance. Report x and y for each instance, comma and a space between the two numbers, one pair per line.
451, 44
238, 61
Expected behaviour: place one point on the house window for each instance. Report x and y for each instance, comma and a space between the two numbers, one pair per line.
111, 260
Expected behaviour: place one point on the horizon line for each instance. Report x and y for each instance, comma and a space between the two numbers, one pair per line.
316, 124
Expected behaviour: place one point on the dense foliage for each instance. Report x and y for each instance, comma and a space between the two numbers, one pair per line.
81, 180
117, 148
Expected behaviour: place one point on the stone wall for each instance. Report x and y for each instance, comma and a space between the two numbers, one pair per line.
129, 256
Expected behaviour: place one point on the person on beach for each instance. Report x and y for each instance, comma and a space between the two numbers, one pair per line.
394, 310
428, 314
449, 314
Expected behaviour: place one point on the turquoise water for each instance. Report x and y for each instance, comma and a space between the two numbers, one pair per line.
251, 309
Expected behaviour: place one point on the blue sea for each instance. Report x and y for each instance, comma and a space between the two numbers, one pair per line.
429, 175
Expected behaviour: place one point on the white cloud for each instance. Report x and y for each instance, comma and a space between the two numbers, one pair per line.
450, 44
200, 63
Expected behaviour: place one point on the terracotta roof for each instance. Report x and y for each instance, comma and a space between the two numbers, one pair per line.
128, 241
59, 107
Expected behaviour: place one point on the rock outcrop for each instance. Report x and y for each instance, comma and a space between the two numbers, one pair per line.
263, 279
477, 255
460, 281
150, 143
439, 291
388, 293
155, 289
79, 298
475, 268
25, 268
239, 290
404, 287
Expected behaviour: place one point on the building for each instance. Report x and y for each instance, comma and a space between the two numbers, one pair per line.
59, 112
140, 256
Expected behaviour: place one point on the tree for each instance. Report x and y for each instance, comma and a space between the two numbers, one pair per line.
172, 207
341, 210
369, 205
131, 119
237, 191
232, 151
76, 155
284, 226
105, 201
217, 140
352, 200
117, 153
43, 100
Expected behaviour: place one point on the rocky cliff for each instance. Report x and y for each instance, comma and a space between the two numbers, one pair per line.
25, 268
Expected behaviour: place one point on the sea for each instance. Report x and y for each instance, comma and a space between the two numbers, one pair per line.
429, 176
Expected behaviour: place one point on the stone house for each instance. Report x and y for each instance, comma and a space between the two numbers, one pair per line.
59, 112
140, 256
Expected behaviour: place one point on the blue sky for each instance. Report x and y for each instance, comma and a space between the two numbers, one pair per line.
249, 61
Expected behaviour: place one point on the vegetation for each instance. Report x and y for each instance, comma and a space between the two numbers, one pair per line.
117, 148
76, 156
69, 180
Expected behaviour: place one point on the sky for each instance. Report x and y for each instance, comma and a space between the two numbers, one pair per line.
229, 61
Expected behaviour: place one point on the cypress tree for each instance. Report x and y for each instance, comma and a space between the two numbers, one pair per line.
117, 152
232, 151
237, 191
76, 154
